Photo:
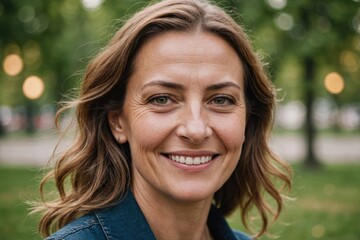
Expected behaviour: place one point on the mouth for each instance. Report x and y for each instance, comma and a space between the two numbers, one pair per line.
188, 160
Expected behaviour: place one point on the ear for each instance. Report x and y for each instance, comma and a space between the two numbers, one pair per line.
116, 123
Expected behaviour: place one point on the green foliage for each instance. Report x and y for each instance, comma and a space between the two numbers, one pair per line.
57, 39
326, 31
325, 206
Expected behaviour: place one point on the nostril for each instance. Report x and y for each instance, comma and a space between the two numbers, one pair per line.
193, 134
193, 125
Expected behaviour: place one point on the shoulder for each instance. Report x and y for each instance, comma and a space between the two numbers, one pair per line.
86, 227
240, 235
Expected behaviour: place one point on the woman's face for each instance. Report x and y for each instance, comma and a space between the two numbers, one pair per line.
184, 116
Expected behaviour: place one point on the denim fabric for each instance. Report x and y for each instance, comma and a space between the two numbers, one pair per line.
125, 221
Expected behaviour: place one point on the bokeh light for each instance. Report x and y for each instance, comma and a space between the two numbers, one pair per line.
356, 22
277, 4
318, 231
91, 5
32, 53
33, 87
13, 64
323, 24
350, 60
284, 21
334, 83
32, 22
26, 13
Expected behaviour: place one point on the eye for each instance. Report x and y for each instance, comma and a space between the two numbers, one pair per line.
160, 100
222, 100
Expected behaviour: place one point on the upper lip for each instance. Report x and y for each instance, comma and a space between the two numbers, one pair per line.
192, 153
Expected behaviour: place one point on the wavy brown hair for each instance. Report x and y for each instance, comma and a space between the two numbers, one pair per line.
99, 168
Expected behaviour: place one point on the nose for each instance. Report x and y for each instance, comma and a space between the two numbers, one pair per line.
193, 127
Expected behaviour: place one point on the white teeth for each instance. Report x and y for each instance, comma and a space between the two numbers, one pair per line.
190, 160
197, 161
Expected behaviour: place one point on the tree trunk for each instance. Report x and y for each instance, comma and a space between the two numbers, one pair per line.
311, 160
30, 116
2, 128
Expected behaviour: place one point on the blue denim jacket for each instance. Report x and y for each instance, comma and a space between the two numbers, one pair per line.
125, 221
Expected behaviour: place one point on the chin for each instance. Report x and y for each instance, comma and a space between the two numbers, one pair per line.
193, 194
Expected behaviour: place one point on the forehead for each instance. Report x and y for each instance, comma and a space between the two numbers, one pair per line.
173, 44
186, 54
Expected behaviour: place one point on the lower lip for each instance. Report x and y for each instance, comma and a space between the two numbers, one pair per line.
192, 168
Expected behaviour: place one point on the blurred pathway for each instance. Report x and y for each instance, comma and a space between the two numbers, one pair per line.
28, 151
330, 149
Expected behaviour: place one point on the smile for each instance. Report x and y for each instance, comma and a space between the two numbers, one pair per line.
190, 160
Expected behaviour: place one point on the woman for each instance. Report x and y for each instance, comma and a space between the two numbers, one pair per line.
173, 123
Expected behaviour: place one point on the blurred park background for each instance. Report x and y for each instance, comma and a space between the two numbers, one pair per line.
312, 51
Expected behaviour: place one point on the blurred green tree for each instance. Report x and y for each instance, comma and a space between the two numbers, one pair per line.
305, 40
55, 40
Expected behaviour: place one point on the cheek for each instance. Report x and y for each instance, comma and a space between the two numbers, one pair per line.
231, 130
233, 139
149, 130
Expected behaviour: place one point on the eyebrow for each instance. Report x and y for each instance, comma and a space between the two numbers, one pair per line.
165, 84
178, 86
222, 85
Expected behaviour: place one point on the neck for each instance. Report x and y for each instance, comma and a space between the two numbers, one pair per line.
171, 219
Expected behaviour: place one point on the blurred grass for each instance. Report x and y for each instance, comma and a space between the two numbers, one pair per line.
327, 205
17, 186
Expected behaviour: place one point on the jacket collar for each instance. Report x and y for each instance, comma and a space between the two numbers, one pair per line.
126, 221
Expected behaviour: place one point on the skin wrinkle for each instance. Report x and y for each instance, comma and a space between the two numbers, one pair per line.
189, 120
178, 91
101, 102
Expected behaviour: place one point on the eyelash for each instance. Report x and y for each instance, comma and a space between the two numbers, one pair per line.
230, 100
157, 97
